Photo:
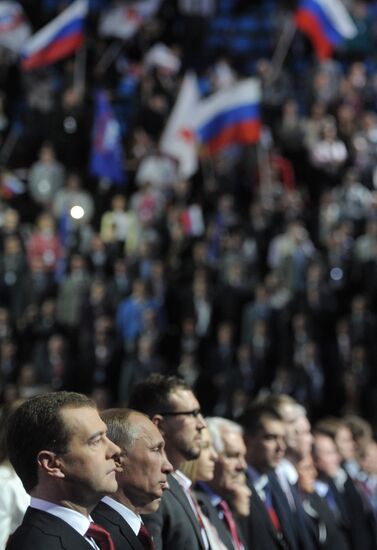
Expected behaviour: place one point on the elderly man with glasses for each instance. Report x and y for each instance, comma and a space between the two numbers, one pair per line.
174, 409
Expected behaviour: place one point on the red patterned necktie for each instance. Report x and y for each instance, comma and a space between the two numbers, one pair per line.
101, 537
145, 538
231, 524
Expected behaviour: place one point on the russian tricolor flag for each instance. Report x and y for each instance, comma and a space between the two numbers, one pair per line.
59, 38
230, 116
326, 22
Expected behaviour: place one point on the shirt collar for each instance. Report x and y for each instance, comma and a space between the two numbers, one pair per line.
183, 480
133, 520
77, 521
213, 497
321, 488
286, 469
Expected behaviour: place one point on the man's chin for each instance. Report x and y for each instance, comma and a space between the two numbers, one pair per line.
192, 454
151, 507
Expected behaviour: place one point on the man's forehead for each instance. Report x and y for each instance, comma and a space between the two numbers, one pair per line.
183, 398
233, 442
272, 426
148, 431
80, 418
288, 412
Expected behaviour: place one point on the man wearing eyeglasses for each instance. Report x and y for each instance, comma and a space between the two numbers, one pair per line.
174, 409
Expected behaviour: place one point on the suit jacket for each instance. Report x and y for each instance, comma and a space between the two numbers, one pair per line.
356, 515
174, 525
210, 511
260, 534
123, 536
42, 531
325, 532
287, 520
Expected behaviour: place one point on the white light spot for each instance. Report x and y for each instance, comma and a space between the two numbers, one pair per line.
77, 212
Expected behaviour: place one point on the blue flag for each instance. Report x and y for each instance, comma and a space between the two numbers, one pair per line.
106, 158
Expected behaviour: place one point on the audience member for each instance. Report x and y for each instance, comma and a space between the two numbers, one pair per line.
171, 405
58, 446
141, 477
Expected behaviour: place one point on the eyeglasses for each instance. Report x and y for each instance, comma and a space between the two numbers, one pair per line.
194, 413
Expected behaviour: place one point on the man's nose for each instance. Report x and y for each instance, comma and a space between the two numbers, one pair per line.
166, 468
112, 449
200, 422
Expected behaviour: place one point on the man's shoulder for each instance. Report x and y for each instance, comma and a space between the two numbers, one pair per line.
42, 531
32, 536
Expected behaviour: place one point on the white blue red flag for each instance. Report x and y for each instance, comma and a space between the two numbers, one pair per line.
14, 28
230, 116
107, 157
327, 23
58, 39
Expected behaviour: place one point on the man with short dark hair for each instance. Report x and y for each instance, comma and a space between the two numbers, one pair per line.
264, 438
58, 446
141, 478
174, 409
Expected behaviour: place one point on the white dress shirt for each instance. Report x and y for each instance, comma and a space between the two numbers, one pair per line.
186, 483
77, 521
133, 520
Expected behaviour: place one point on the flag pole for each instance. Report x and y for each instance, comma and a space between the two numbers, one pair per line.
282, 47
79, 71
109, 56
264, 170
9, 144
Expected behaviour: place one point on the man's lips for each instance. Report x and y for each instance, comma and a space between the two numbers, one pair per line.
164, 485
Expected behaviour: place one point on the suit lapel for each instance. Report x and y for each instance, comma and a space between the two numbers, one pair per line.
178, 493
113, 517
281, 506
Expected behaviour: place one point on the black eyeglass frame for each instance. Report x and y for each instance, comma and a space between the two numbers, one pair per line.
194, 413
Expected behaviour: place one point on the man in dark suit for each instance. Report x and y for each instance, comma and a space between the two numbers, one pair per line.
174, 409
264, 437
338, 490
141, 478
58, 446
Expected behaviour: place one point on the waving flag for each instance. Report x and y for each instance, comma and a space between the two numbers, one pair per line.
327, 23
178, 139
58, 39
124, 20
14, 29
106, 159
230, 116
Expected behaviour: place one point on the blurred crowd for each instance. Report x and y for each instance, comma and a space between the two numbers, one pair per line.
275, 291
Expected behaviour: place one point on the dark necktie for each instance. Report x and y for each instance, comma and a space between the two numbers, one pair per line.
101, 537
230, 523
145, 538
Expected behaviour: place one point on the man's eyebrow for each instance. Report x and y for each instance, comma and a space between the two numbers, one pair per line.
97, 434
160, 444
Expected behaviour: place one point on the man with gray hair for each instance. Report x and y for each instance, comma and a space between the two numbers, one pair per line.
141, 476
227, 493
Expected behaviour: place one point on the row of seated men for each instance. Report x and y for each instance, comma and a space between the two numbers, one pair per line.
160, 476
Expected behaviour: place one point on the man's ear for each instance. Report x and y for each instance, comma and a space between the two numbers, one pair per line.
158, 421
50, 463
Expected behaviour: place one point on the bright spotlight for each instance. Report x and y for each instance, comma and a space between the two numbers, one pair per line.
77, 212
